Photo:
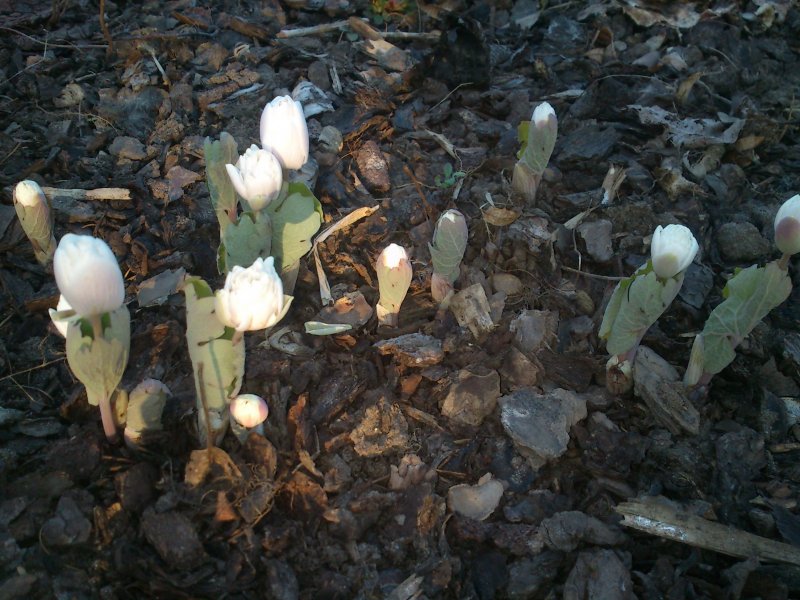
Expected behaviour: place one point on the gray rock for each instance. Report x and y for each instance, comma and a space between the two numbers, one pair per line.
174, 538
539, 424
413, 349
67, 527
527, 577
534, 329
741, 242
597, 237
566, 530
599, 574
473, 396
127, 147
519, 371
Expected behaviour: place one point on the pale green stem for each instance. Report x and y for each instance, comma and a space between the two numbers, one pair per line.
107, 416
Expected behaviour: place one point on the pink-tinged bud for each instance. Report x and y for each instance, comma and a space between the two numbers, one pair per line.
249, 410
394, 278
787, 226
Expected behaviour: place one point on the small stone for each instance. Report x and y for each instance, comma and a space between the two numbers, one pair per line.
135, 487
539, 424
741, 242
534, 329
527, 577
472, 310
599, 573
597, 237
174, 538
67, 527
508, 283
330, 140
473, 396
476, 501
413, 349
373, 168
318, 75
127, 148
383, 429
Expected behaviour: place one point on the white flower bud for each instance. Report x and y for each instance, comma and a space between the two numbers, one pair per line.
29, 193
249, 410
87, 275
394, 278
257, 177
787, 226
284, 131
673, 249
252, 298
541, 115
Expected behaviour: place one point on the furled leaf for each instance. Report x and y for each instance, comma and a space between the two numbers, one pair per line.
247, 240
219, 153
295, 220
636, 304
100, 363
750, 295
218, 364
449, 244
537, 144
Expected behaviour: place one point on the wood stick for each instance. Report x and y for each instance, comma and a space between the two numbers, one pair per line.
95, 194
664, 520
431, 36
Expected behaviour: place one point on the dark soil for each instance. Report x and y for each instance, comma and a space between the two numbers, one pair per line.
310, 510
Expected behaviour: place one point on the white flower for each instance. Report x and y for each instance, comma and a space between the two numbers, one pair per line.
787, 226
673, 249
87, 275
257, 177
249, 410
29, 193
542, 113
284, 132
252, 298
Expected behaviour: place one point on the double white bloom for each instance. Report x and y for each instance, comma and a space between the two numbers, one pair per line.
252, 298
87, 275
673, 249
787, 226
257, 177
284, 132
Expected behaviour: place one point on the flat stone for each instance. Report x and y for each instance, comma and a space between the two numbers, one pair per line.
413, 349
539, 424
473, 396
519, 371
599, 573
597, 237
174, 538
67, 527
127, 147
534, 329
741, 242
373, 168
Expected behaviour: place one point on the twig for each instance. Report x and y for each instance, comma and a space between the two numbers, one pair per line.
432, 36
592, 275
95, 194
663, 520
104, 28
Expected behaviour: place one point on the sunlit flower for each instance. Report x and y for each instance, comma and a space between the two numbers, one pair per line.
252, 298
673, 249
542, 114
284, 132
87, 275
257, 177
29, 193
787, 226
249, 410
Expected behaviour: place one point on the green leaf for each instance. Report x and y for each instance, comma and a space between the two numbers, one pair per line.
522, 135
219, 153
449, 243
246, 240
537, 144
319, 328
636, 304
100, 363
750, 295
218, 364
295, 220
